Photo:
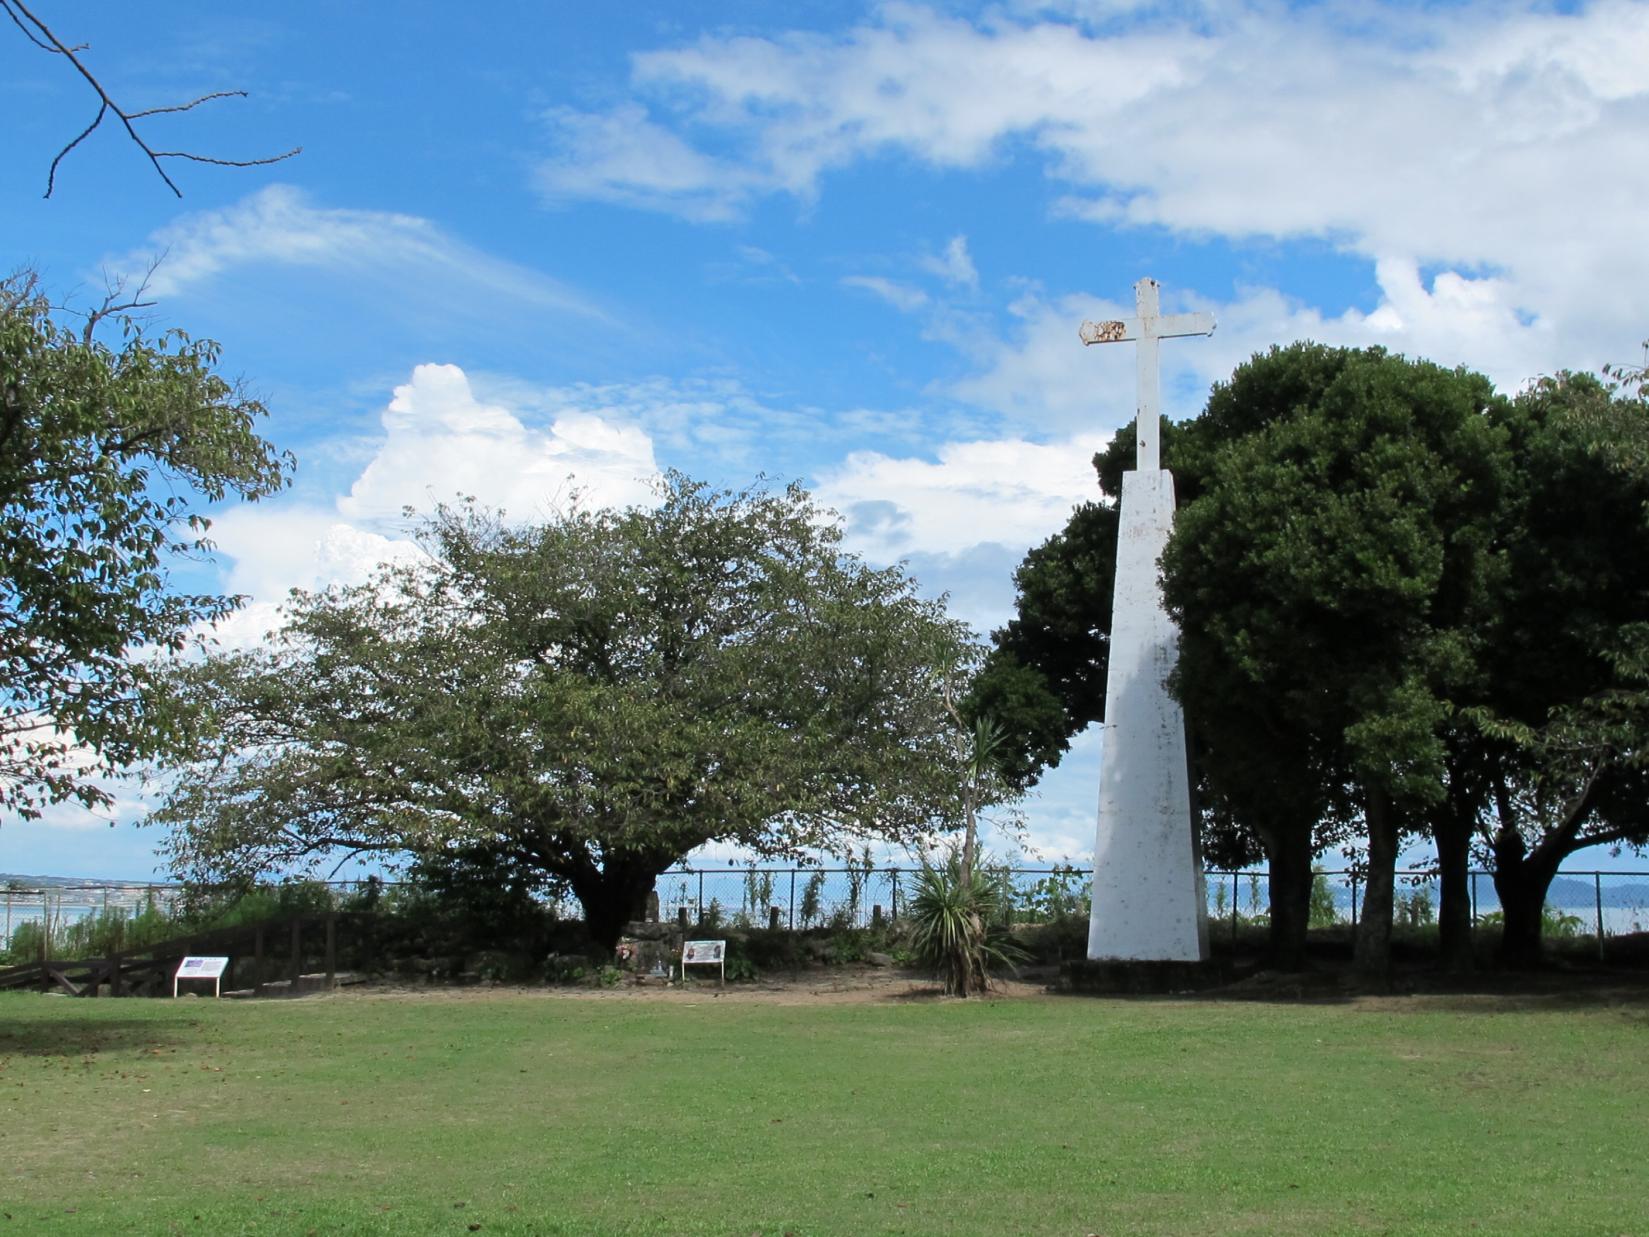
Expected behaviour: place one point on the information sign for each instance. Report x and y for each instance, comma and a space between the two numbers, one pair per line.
202, 968
704, 953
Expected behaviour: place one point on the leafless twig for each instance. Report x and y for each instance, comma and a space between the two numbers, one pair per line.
38, 33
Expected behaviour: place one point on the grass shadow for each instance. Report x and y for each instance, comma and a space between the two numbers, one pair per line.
76, 1037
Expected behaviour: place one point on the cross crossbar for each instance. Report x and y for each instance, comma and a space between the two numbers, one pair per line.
1146, 328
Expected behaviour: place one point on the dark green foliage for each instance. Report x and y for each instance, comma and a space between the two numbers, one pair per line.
1045, 679
479, 896
106, 455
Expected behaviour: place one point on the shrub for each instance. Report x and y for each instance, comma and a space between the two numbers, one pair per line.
958, 929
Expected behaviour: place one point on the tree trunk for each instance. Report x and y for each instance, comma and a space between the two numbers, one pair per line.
1522, 881
614, 894
1373, 950
1288, 852
1454, 912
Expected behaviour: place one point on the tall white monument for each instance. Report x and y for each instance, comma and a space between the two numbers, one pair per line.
1149, 903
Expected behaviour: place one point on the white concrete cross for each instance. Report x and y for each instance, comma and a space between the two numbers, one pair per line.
1146, 328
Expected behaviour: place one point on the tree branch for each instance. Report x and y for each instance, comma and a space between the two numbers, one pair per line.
38, 33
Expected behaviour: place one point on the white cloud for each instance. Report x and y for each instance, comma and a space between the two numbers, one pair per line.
280, 226
902, 297
1041, 376
439, 442
955, 265
442, 442
1479, 140
1006, 492
623, 157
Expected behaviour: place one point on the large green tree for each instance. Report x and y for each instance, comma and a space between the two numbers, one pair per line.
1548, 760
591, 698
108, 452
1329, 580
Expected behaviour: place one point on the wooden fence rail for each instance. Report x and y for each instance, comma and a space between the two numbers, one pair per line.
136, 967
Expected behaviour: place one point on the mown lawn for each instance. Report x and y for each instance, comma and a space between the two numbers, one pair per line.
539, 1114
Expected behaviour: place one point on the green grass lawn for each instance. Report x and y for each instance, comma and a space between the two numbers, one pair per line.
536, 1114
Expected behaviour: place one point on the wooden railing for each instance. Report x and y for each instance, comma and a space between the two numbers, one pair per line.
243, 944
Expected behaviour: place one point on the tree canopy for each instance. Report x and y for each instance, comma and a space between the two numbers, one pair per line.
1327, 579
107, 454
592, 697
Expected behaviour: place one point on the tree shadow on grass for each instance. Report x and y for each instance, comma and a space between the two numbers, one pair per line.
1631, 997
1485, 991
78, 1037
1481, 992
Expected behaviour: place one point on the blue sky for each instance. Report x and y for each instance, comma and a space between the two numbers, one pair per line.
528, 247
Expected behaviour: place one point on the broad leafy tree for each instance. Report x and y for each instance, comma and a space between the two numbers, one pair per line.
1550, 759
1329, 580
590, 698
108, 454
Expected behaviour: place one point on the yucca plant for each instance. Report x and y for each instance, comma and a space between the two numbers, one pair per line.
957, 923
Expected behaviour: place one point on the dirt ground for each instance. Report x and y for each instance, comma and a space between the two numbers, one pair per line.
822, 986
1552, 988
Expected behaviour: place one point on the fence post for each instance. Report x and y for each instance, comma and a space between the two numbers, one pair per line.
297, 950
792, 899
1474, 900
257, 961
1233, 908
701, 897
1597, 893
895, 893
331, 949
1354, 901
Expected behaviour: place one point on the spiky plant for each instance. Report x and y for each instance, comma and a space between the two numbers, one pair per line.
957, 924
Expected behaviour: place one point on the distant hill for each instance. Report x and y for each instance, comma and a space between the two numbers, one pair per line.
71, 882
1574, 891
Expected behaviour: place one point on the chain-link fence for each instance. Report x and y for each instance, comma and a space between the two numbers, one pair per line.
1585, 903
1589, 903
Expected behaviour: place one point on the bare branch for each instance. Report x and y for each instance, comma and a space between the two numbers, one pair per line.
27, 33
51, 173
224, 163
184, 107
42, 37
111, 303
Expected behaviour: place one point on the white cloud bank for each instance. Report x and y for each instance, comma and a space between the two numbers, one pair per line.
1489, 142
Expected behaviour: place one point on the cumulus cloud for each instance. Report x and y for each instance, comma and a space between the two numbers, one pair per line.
440, 442
281, 226
1007, 492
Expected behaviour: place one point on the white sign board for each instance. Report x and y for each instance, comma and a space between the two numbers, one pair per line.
704, 953
201, 968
